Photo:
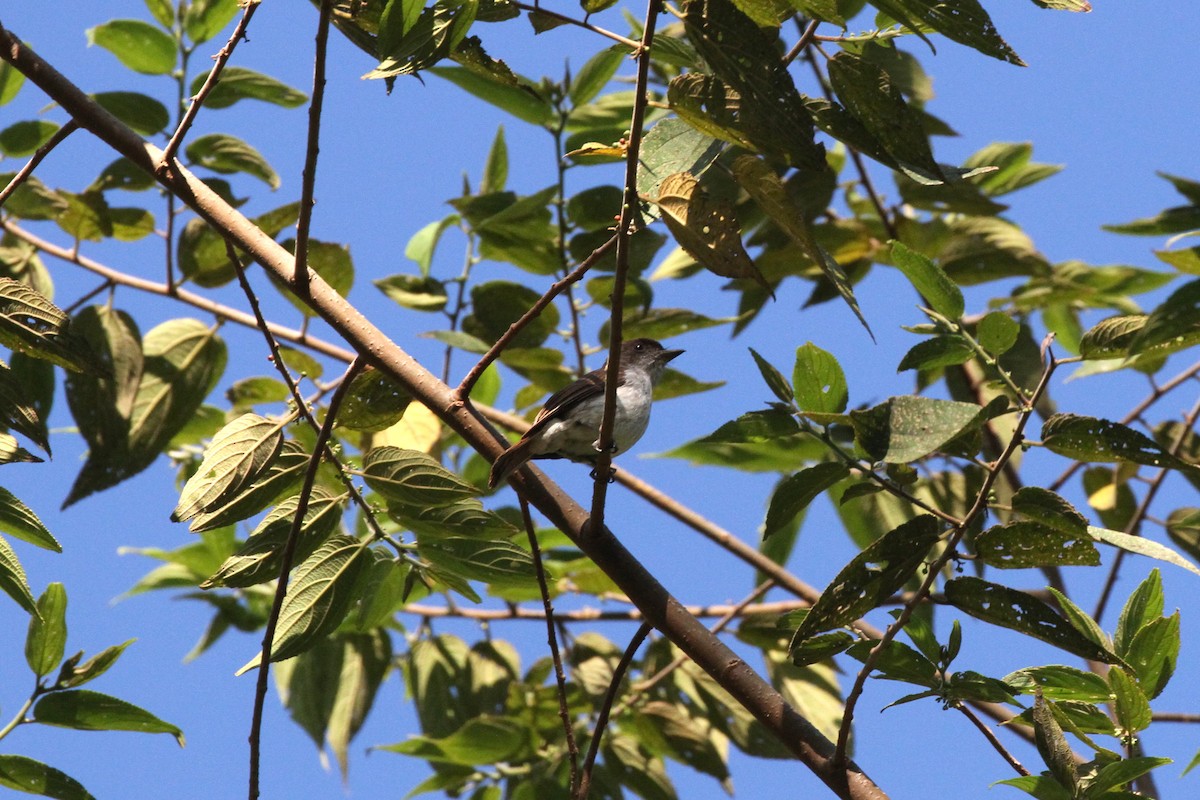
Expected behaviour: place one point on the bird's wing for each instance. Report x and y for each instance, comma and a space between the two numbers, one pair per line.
586, 388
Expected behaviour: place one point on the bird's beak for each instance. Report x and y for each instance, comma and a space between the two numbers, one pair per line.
667, 355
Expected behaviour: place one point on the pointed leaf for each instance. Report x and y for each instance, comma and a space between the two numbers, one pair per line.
774, 379
47, 636
411, 478
239, 83
237, 456
319, 596
1009, 608
794, 493
85, 710
1099, 440
12, 579
871, 577
26, 775
1143, 547
965, 22
934, 285
17, 519
819, 382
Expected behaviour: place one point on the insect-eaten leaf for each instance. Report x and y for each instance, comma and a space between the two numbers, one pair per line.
706, 228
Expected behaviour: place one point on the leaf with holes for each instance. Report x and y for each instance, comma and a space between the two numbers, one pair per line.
871, 577
1099, 440
1020, 611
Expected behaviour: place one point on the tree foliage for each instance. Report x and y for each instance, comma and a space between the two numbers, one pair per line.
340, 515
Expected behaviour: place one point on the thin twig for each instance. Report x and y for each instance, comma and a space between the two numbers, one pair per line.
992, 740
616, 37
220, 59
956, 534
560, 678
806, 36
197, 301
580, 792
630, 217
464, 389
308, 178
24, 172
285, 567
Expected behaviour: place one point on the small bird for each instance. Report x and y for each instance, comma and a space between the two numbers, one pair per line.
568, 426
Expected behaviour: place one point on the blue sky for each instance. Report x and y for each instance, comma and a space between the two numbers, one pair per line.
1107, 94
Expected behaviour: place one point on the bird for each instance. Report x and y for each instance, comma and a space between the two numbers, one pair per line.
568, 426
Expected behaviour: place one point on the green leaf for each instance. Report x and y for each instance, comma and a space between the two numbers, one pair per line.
764, 185
595, 74
819, 382
413, 479
319, 596
24, 138
33, 199
516, 95
774, 379
496, 305
1014, 168
237, 456
1130, 704
11, 80
138, 45
1042, 787
965, 22
1099, 440
867, 92
1059, 682
483, 740
414, 292
663, 323
871, 577
934, 285
31, 324
285, 472
1009, 608
1019, 545
75, 674
421, 246
180, 363
1142, 546
937, 352
1144, 606
493, 561
373, 402
796, 492
1120, 773
228, 154
239, 83
26, 775
906, 428
436, 33
12, 579
259, 558
47, 635
91, 711
205, 18
1153, 654
144, 114
17, 519
1173, 326
766, 441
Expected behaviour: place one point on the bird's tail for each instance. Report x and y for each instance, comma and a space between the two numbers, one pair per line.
509, 462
